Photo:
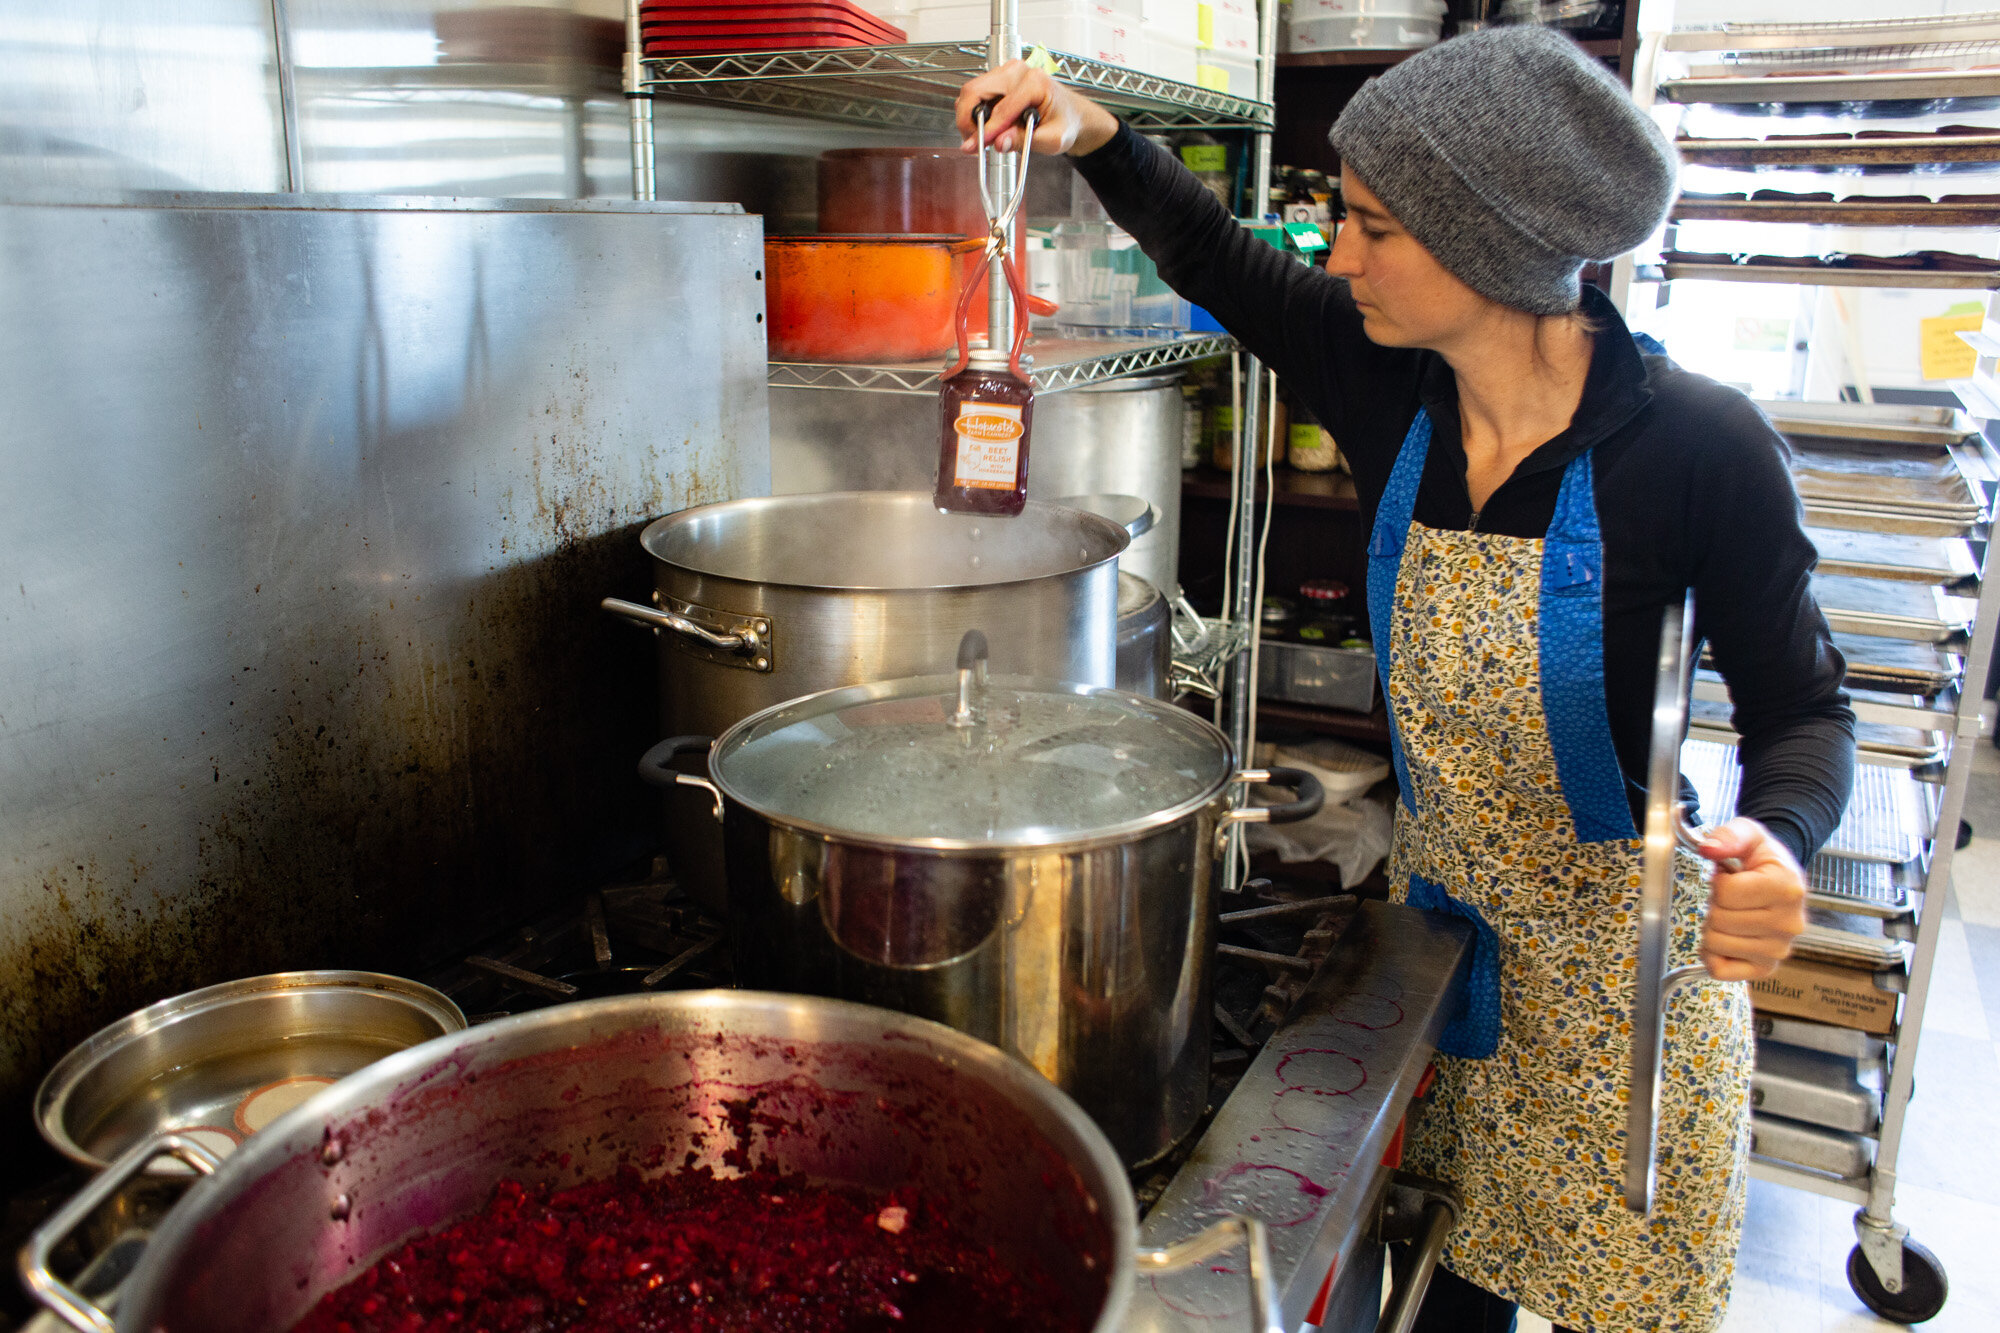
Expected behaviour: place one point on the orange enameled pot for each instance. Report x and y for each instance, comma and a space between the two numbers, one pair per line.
865, 298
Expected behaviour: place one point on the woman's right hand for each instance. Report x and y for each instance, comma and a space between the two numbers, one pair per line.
1065, 120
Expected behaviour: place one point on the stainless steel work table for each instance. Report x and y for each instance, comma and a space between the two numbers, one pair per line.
1299, 1143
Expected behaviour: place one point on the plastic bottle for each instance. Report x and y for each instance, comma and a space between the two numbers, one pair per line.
985, 414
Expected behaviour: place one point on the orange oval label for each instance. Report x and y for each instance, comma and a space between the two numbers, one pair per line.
988, 429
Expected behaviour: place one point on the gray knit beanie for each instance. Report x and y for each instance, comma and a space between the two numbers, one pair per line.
1513, 158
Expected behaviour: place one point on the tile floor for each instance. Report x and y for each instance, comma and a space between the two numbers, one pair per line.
1791, 1274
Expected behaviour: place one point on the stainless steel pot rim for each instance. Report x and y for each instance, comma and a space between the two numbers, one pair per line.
302, 1129
654, 533
1056, 840
88, 1054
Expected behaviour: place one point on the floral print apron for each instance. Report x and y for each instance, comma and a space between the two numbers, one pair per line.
1515, 817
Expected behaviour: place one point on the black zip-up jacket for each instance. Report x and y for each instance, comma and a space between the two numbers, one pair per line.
1692, 487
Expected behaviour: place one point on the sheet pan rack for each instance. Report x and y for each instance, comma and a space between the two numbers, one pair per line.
1900, 503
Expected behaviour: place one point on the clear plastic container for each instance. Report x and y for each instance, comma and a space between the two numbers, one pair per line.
1109, 288
1364, 32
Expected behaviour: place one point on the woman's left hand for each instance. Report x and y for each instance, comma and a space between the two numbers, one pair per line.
1754, 913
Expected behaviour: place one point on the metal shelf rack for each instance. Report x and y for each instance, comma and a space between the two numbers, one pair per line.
1059, 364
913, 87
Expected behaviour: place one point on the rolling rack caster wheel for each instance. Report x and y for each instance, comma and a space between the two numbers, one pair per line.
1924, 1285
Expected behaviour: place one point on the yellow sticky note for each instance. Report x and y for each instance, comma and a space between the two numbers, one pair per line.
1943, 354
1039, 58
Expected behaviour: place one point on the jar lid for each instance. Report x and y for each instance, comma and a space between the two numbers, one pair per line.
1322, 591
1036, 763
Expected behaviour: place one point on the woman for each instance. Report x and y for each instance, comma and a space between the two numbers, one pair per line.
1537, 491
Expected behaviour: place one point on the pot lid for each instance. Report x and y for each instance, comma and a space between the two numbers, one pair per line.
971, 762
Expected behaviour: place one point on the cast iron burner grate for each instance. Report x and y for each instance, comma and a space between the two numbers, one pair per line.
622, 939
1274, 941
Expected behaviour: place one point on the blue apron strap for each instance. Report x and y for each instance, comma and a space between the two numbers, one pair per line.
1572, 653
1385, 565
1473, 1030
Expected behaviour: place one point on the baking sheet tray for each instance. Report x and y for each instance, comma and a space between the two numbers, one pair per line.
1910, 425
1859, 476
1820, 514
1890, 746
1884, 821
1887, 555
1889, 609
1847, 939
1898, 665
1832, 1152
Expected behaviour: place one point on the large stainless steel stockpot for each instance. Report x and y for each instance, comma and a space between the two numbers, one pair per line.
1145, 639
1031, 862
1123, 435
413, 1142
760, 601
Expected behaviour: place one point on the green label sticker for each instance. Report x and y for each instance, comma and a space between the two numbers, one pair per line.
1306, 236
1205, 156
1313, 632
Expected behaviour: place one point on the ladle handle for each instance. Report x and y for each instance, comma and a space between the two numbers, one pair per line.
1219, 1238
64, 1301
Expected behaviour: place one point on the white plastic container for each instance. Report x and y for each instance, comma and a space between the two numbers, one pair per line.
1178, 18
1387, 9
1168, 55
1096, 30
1231, 33
1366, 32
901, 13
1226, 73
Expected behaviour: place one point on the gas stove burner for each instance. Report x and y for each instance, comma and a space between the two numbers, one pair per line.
623, 939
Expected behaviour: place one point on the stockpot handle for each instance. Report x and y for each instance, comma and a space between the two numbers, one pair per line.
738, 641
1219, 1238
1307, 797
64, 1301
656, 766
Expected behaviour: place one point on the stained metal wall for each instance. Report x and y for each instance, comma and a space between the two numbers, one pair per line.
307, 511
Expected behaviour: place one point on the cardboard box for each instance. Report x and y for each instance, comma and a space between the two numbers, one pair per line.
1842, 996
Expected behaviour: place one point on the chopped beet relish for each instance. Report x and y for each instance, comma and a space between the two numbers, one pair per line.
693, 1253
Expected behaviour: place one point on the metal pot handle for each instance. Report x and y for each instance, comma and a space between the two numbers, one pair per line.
1308, 797
1218, 1238
64, 1301
1134, 513
656, 766
746, 641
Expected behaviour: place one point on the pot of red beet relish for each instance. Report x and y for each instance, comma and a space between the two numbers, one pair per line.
1032, 862
696, 1161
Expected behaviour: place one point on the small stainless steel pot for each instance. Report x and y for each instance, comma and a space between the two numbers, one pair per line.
189, 1063
763, 600
1084, 949
876, 1099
